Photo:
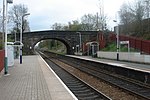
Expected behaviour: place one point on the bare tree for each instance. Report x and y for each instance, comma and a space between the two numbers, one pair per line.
57, 26
93, 22
88, 22
1, 21
1, 34
15, 16
131, 16
75, 25
147, 9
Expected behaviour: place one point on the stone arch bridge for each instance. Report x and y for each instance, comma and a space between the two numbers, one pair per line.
69, 38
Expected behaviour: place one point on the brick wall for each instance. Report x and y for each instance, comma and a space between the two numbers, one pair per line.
102, 42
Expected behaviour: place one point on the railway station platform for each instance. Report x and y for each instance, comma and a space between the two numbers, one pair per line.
32, 80
128, 65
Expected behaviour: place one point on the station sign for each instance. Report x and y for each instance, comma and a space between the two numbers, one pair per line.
9, 1
124, 42
15, 44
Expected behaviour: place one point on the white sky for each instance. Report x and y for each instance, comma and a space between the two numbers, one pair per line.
44, 13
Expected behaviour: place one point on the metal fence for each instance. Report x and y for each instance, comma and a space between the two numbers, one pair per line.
142, 45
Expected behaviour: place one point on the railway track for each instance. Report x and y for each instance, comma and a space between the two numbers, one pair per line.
137, 89
81, 89
134, 88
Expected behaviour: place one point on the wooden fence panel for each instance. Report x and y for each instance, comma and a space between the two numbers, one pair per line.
1, 60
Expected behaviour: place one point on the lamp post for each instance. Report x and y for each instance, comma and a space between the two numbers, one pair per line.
3, 28
117, 31
5, 6
21, 31
80, 39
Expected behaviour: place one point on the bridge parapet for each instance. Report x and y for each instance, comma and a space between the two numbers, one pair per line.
69, 38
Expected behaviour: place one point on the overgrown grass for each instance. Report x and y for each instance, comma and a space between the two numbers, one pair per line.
0, 47
112, 47
146, 36
59, 49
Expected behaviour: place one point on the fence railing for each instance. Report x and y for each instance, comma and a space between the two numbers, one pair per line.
142, 45
1, 60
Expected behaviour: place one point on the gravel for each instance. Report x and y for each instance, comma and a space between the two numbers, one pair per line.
109, 90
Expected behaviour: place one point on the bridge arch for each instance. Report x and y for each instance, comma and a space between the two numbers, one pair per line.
69, 38
61, 40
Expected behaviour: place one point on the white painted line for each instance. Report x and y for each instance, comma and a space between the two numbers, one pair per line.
74, 97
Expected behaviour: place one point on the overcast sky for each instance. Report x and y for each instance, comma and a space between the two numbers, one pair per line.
44, 13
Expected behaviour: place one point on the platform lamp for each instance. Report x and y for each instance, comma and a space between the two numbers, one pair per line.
5, 18
80, 39
117, 31
21, 31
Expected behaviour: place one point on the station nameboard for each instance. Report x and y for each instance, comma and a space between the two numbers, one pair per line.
9, 1
124, 42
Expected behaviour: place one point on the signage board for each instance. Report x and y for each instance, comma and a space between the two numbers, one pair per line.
124, 42
9, 1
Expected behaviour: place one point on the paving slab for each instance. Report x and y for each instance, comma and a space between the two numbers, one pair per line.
32, 80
